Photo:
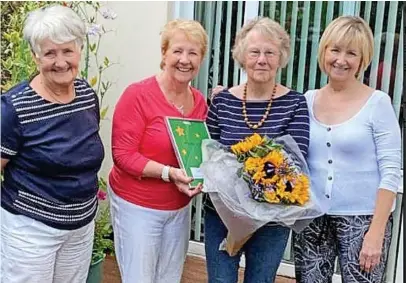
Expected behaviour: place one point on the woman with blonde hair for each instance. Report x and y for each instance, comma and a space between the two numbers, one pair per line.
260, 105
354, 161
150, 194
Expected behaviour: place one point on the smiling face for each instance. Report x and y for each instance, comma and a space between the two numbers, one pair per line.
261, 58
182, 59
58, 63
342, 63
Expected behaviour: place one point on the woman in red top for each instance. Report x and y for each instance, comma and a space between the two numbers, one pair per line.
149, 192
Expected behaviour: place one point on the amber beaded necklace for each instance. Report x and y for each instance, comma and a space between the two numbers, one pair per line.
244, 109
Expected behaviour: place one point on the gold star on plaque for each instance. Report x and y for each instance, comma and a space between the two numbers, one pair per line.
180, 131
184, 152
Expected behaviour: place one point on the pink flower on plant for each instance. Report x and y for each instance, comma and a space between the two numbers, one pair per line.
101, 195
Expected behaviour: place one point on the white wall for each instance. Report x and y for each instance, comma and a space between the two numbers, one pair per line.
135, 45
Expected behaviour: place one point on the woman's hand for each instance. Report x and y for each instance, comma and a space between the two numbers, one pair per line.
216, 91
182, 181
371, 251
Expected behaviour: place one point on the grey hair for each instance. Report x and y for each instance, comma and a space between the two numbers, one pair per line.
57, 23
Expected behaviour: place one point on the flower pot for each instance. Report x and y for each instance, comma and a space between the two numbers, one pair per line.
95, 274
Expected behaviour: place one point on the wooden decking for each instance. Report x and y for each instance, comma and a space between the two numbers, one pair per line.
194, 272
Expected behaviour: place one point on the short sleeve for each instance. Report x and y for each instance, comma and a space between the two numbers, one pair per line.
10, 129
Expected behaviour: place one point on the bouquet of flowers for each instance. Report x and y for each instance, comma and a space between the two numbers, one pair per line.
260, 180
270, 172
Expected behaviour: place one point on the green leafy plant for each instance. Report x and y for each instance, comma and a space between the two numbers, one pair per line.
102, 243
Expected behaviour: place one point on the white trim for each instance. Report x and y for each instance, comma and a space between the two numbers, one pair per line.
183, 10
285, 269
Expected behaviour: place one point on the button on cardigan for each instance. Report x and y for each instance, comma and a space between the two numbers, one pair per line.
350, 161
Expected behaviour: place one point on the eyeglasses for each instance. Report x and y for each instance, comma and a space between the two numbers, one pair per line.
255, 53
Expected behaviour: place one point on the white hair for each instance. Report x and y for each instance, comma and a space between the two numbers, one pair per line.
57, 23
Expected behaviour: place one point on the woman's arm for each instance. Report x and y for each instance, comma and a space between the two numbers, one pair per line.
298, 127
386, 133
212, 120
129, 123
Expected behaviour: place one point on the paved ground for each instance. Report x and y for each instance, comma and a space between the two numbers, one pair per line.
194, 272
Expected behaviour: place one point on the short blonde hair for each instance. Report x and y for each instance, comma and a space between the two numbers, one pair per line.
348, 31
192, 29
268, 28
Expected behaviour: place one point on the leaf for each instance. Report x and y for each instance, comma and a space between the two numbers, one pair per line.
93, 81
92, 47
106, 61
103, 112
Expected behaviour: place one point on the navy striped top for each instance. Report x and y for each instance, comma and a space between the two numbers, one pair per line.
54, 152
288, 115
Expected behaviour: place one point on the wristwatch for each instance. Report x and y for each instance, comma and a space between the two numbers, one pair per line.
165, 174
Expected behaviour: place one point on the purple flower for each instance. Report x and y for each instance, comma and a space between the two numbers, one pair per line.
109, 14
94, 29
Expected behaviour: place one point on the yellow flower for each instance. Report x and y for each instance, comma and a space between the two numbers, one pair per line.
258, 176
271, 197
270, 181
301, 189
275, 157
253, 164
247, 144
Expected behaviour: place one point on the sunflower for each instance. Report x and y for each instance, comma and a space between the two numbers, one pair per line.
275, 157
253, 164
271, 197
247, 144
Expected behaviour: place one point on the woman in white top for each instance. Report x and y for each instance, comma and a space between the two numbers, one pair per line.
354, 159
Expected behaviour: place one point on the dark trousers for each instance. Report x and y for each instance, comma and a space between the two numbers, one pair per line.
327, 237
263, 252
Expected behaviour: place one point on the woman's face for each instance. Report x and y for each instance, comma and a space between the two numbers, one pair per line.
182, 59
261, 58
342, 62
58, 63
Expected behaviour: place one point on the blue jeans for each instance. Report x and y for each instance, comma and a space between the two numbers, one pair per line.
263, 252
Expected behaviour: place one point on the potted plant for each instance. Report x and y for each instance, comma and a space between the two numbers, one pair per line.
102, 243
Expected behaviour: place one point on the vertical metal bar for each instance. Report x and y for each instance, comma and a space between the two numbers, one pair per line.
227, 45
315, 44
204, 70
330, 13
367, 10
397, 92
261, 8
390, 38
250, 12
283, 23
380, 10
292, 43
272, 8
287, 254
238, 27
303, 46
357, 8
347, 7
198, 217
216, 42
283, 14
393, 251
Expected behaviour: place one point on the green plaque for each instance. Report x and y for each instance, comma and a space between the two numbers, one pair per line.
187, 136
